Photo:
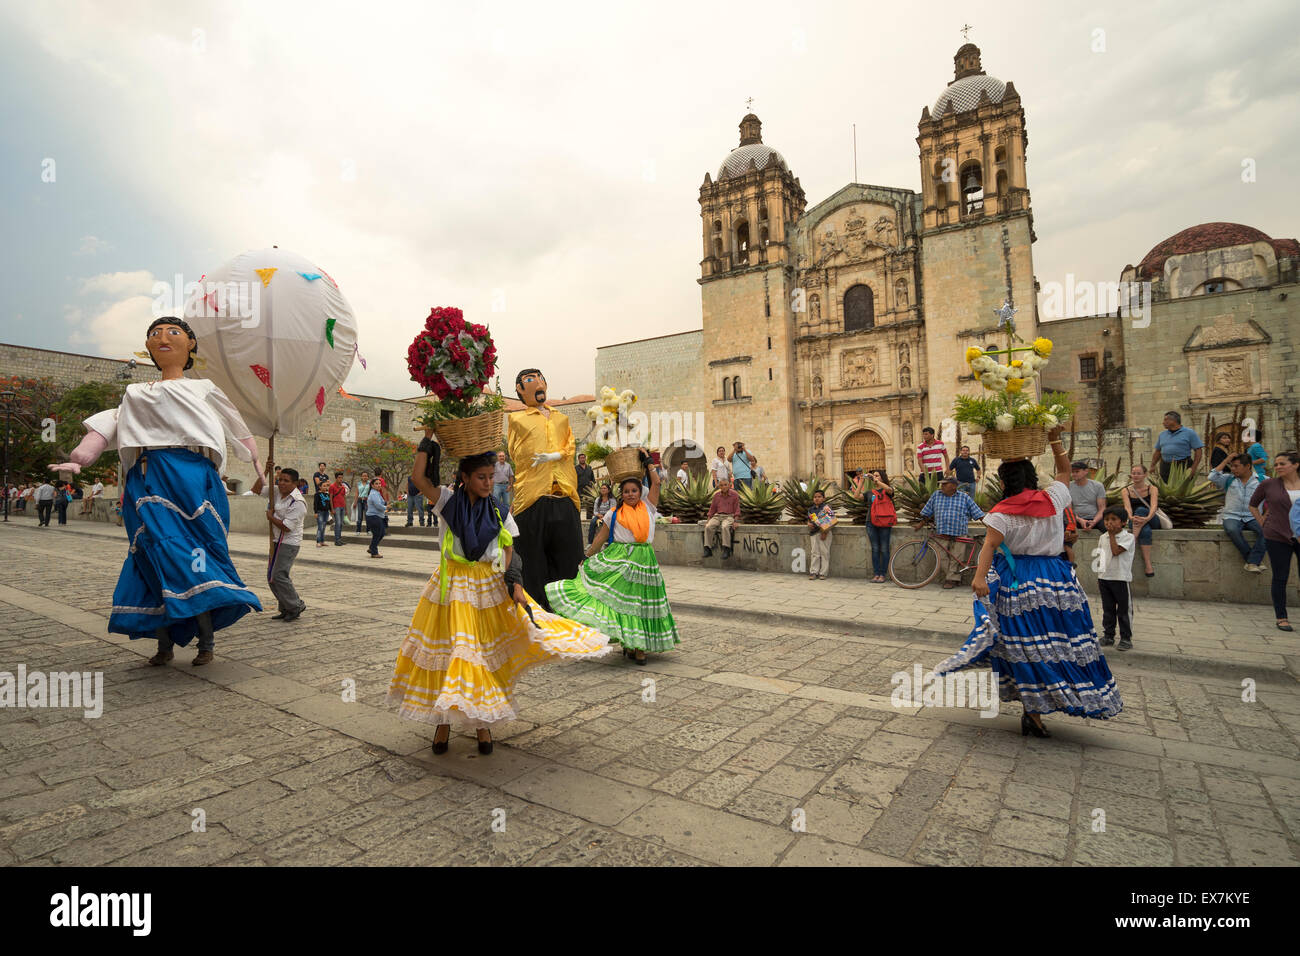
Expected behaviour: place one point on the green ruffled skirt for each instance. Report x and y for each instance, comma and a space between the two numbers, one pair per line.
620, 592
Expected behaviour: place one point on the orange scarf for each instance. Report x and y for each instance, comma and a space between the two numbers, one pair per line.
636, 520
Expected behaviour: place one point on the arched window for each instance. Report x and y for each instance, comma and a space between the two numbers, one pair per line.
859, 309
762, 213
726, 388
971, 180
940, 186
1002, 184
742, 244
1000, 154
717, 238
900, 294
762, 236
735, 387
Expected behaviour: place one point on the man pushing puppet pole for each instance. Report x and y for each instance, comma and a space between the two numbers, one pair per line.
541, 445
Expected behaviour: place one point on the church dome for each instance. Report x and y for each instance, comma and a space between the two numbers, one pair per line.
970, 82
751, 149
1206, 236
964, 94
737, 161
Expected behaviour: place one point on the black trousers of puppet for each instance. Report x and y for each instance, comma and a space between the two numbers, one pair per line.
549, 544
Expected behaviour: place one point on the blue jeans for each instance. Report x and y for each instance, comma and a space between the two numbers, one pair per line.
879, 538
321, 518
339, 521
746, 482
1144, 536
415, 503
967, 486
501, 492
1235, 527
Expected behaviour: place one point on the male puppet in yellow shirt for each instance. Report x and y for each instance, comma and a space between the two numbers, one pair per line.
545, 505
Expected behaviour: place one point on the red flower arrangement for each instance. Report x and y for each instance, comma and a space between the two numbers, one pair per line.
452, 358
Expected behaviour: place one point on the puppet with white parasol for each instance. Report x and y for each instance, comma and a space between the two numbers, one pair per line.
255, 317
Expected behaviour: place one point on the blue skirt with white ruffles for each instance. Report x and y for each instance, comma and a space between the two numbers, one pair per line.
176, 517
1039, 640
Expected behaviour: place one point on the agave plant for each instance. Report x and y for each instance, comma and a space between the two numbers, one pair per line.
911, 494
760, 503
856, 509
989, 493
689, 502
1189, 499
797, 495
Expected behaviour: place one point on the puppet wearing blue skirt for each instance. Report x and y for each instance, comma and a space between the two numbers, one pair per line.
178, 581
1032, 621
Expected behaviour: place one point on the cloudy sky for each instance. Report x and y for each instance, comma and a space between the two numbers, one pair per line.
538, 165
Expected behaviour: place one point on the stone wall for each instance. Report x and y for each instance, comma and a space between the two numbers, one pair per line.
1190, 565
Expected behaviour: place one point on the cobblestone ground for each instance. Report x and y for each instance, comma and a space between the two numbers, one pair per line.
753, 732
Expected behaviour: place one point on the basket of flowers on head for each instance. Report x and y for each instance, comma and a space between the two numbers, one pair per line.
454, 360
611, 417
1013, 424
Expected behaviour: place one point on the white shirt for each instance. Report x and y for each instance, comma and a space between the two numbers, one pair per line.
621, 534
682, 476
182, 413
720, 468
45, 492
97, 489
1116, 567
1024, 534
490, 552
291, 511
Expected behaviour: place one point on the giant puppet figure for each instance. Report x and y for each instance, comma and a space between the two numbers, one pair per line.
178, 581
545, 504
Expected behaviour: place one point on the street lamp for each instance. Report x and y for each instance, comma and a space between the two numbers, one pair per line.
7, 400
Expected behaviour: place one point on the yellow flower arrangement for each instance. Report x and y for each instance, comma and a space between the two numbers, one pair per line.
1042, 347
1014, 385
973, 353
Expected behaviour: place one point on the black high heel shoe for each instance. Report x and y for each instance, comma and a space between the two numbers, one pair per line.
1028, 726
485, 746
440, 746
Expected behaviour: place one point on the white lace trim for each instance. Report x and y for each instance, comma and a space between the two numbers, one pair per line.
160, 500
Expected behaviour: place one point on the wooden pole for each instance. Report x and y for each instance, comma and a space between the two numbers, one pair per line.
270, 495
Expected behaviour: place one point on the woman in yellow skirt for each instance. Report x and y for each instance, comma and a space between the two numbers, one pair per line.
475, 630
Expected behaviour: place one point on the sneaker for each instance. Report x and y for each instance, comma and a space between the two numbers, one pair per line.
1106, 640
1125, 644
1255, 568
708, 552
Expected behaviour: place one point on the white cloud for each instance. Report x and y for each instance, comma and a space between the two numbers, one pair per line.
110, 285
91, 245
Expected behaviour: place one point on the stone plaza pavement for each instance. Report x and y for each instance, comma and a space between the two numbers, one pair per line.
768, 738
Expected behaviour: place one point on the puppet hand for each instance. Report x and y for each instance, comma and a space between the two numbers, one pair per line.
71, 466
257, 485
517, 594
540, 458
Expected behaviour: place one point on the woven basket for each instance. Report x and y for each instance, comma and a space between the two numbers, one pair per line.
623, 464
1023, 441
462, 437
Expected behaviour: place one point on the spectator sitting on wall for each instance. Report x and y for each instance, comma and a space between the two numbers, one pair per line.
1235, 477
1087, 497
724, 512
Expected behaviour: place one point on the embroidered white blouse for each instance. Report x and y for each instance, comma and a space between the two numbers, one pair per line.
188, 413
1024, 534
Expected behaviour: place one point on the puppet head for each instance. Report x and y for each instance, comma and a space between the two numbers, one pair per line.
167, 347
530, 386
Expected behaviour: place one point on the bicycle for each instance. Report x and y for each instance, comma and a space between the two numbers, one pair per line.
915, 564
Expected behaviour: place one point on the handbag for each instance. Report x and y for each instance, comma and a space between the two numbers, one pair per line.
1163, 521
882, 511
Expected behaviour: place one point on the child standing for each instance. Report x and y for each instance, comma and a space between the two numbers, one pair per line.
285, 515
1113, 579
820, 521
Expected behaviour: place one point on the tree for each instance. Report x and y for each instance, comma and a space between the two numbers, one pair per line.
33, 428
394, 454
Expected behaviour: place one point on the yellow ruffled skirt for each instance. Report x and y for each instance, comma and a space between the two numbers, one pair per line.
462, 655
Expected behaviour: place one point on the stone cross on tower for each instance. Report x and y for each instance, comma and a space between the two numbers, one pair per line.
965, 30
749, 105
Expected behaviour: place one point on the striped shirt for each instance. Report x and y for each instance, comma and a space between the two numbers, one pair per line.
931, 455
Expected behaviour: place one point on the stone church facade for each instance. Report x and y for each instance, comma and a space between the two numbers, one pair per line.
832, 335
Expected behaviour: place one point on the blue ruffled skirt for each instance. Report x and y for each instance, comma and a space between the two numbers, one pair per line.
1036, 632
178, 566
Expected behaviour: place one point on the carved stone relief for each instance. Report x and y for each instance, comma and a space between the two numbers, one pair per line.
884, 230
904, 377
817, 386
907, 433
1229, 374
858, 368
819, 440
904, 354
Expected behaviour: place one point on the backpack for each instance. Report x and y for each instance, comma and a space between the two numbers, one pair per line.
882, 510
